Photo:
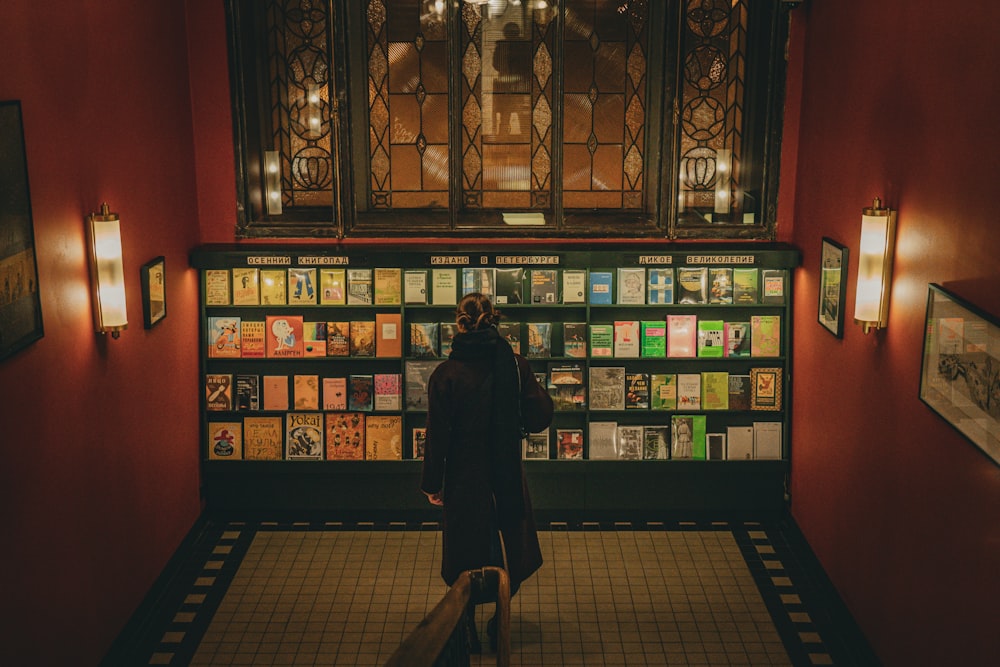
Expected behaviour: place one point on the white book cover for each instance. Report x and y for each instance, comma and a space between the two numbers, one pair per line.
415, 286
767, 440
627, 342
739, 443
689, 391
632, 285
603, 440
574, 288
630, 443
444, 287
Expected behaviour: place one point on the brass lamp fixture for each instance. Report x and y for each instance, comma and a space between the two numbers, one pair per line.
878, 236
107, 274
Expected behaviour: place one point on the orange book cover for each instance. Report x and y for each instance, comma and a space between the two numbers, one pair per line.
345, 436
388, 338
384, 438
284, 336
252, 335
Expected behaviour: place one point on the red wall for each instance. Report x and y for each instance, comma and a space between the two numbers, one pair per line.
899, 101
99, 482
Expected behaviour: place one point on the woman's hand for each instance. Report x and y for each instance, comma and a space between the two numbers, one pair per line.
434, 498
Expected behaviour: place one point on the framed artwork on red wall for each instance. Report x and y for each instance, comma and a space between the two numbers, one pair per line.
832, 286
20, 305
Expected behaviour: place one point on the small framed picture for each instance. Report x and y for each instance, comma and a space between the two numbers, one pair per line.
832, 286
153, 275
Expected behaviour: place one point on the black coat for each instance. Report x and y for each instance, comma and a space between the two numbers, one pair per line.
458, 458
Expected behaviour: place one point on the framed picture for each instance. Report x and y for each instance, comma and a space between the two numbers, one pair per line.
960, 372
832, 286
153, 275
20, 304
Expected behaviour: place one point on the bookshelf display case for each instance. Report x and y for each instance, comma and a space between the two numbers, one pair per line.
669, 367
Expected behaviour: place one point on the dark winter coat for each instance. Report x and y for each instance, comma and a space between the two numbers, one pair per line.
473, 452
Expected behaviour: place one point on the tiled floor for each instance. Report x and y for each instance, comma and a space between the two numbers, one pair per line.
319, 593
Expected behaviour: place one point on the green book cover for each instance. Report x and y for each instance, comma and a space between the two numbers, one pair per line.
688, 437
715, 390
654, 338
745, 287
698, 450
602, 340
663, 391
711, 338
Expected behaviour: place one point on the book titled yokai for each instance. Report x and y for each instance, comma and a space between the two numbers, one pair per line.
224, 337
284, 336
304, 436
388, 286
263, 438
225, 441
345, 436
384, 438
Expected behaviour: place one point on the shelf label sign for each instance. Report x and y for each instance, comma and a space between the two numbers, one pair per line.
721, 259
526, 259
333, 260
656, 259
279, 260
438, 260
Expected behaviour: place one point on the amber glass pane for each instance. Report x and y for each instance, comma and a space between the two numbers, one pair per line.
605, 101
299, 70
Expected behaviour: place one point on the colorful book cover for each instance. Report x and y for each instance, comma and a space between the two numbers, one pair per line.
632, 285
765, 335
218, 392
475, 279
745, 288
511, 331
416, 375
275, 392
345, 436
600, 287
575, 339
304, 436
767, 440
656, 443
418, 441
539, 339
630, 442
569, 444
389, 335
225, 441
338, 339
272, 287
217, 287
715, 390
662, 391
424, 339
627, 342
711, 339
263, 438
739, 443
602, 340
660, 285
384, 438
607, 388
535, 446
332, 287
246, 286
247, 392
305, 392
603, 441
772, 286
692, 284
636, 391
720, 285
739, 392
689, 391
737, 339
284, 336
444, 287
688, 437
302, 286
544, 286
359, 287
388, 286
682, 336
509, 288
252, 339
388, 391
224, 337
314, 339
765, 389
446, 332
653, 336
415, 286
574, 286
566, 386
361, 392
362, 341
335, 393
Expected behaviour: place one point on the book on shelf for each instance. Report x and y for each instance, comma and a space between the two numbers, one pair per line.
511, 332
247, 390
338, 339
720, 285
304, 436
745, 288
225, 441
217, 287
692, 284
660, 285
711, 339
767, 440
535, 445
569, 444
772, 286
630, 442
224, 337
715, 446
418, 442
252, 343
345, 436
689, 391
219, 392
636, 391
446, 333
631, 285
263, 438
653, 338
566, 386
600, 287
416, 375
272, 287
361, 392
765, 389
388, 286
305, 392
544, 286
301, 286
362, 340
444, 287
656, 442
283, 336
574, 286
602, 340
607, 388
682, 336
715, 390
314, 339
275, 392
539, 339
246, 286
663, 391
627, 344
332, 287
388, 391
388, 335
384, 438
575, 339
737, 336
360, 290
424, 339
687, 437
481, 280
739, 443
509, 288
765, 335
415, 286
739, 392
335, 393
603, 440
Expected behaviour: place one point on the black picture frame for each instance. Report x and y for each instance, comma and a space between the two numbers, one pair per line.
153, 276
20, 301
960, 368
832, 286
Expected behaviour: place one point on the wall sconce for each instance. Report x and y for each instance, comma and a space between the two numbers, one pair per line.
272, 182
878, 236
107, 275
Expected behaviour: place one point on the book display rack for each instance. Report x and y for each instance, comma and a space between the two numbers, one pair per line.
669, 370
